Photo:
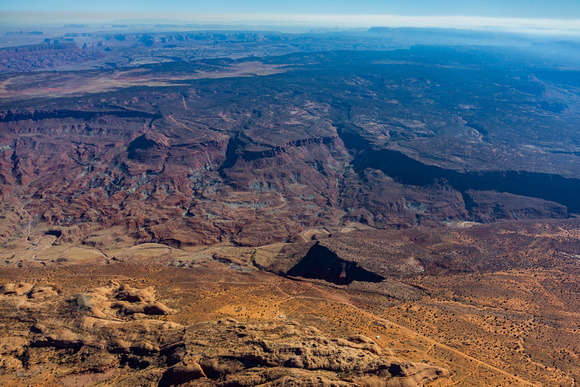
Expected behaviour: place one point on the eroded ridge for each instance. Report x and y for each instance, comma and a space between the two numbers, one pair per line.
117, 335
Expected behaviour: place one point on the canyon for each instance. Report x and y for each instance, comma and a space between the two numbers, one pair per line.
316, 215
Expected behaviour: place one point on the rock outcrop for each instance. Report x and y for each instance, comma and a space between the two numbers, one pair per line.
243, 160
117, 334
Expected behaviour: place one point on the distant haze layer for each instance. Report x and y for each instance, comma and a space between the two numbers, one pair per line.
553, 9
257, 19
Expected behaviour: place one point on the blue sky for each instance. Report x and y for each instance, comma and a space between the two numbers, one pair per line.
565, 9
554, 14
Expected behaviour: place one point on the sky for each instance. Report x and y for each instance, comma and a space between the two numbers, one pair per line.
529, 13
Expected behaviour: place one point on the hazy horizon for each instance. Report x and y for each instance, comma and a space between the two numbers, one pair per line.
527, 9
534, 14
47, 18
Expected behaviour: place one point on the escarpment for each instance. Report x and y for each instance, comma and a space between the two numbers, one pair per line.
114, 167
217, 161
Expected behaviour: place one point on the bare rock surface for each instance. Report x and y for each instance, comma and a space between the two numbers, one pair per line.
240, 159
117, 335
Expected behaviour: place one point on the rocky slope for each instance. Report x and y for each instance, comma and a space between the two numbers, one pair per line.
309, 219
112, 335
213, 160
358, 307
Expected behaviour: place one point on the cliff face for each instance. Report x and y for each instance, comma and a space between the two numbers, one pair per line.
164, 178
44, 56
160, 178
373, 166
254, 160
